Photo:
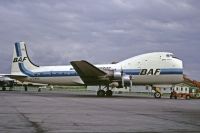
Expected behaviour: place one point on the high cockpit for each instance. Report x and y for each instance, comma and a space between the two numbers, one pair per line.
170, 55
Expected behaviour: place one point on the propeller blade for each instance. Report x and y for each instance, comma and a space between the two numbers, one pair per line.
131, 82
122, 73
122, 76
123, 81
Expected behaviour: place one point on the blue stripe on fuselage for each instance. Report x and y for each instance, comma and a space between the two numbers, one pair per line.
135, 72
163, 71
46, 73
171, 71
132, 71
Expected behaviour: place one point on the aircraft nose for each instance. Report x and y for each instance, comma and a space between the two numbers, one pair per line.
177, 63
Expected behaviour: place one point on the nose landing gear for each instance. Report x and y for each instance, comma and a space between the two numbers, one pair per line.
157, 93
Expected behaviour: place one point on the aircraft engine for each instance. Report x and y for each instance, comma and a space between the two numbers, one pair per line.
117, 75
120, 79
114, 84
125, 79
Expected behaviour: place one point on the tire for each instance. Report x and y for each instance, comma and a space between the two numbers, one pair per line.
3, 88
11, 89
101, 93
187, 97
109, 93
25, 88
157, 95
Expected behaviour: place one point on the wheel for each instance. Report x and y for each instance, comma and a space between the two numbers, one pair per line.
4, 88
109, 93
101, 93
187, 97
157, 95
25, 88
11, 88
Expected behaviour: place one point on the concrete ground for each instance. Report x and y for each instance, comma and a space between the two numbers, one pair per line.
61, 112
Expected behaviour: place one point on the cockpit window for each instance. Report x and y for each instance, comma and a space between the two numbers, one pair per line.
175, 57
169, 55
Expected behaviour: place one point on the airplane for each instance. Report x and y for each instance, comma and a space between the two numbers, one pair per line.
156, 68
6, 82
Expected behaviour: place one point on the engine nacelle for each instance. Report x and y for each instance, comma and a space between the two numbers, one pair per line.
117, 75
114, 84
119, 79
126, 79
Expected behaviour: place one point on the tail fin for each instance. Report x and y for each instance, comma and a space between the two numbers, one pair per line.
21, 60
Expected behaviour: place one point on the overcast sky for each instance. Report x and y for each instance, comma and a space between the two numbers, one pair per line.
100, 31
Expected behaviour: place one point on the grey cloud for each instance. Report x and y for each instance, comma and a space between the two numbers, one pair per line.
100, 31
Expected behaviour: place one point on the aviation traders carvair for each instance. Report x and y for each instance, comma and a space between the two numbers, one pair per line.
157, 68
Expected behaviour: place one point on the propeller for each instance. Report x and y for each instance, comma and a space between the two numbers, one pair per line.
131, 82
122, 76
126, 78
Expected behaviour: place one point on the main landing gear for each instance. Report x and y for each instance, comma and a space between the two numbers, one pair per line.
25, 88
3, 88
102, 93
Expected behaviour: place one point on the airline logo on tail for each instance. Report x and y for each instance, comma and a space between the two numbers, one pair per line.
19, 59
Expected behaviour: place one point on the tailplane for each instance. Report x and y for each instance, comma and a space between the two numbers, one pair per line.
21, 60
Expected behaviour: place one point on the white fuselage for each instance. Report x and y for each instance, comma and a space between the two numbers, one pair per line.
146, 69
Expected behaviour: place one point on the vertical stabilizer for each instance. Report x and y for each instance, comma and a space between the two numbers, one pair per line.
21, 62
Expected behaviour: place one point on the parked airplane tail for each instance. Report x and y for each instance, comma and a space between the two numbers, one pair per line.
21, 62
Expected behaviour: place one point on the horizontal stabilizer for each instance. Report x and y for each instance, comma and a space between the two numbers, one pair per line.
90, 74
13, 76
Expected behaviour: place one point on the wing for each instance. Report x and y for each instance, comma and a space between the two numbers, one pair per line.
90, 74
